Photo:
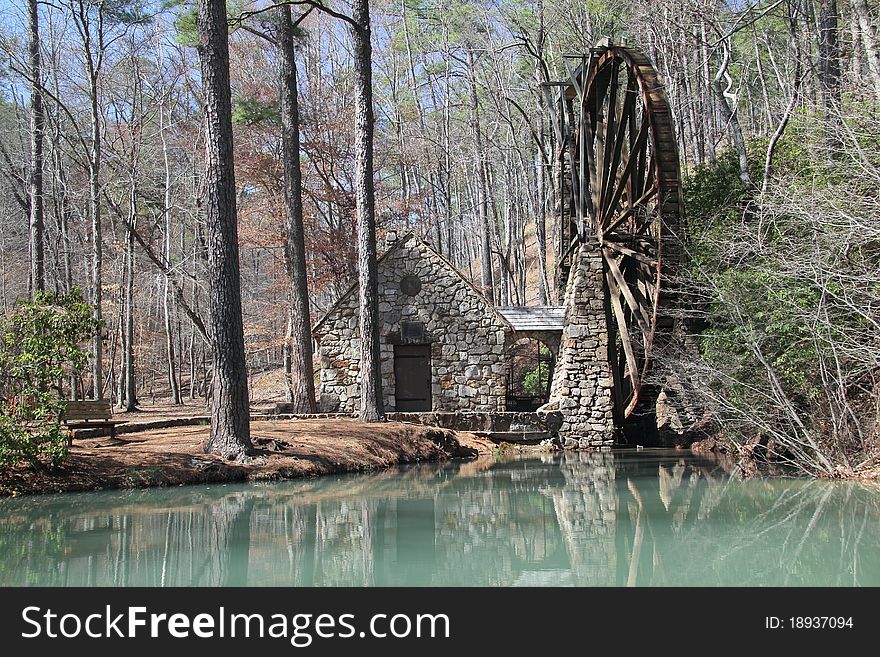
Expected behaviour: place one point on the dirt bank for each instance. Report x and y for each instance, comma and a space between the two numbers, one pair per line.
286, 449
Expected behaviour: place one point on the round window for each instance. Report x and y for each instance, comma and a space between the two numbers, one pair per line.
410, 285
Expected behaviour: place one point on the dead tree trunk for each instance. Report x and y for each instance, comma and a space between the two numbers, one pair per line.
230, 419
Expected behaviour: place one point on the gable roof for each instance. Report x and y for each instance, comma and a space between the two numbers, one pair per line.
394, 247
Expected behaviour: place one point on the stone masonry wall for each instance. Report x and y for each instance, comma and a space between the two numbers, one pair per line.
466, 334
582, 382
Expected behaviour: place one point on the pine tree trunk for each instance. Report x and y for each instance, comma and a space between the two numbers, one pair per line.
230, 415
372, 407
35, 182
302, 381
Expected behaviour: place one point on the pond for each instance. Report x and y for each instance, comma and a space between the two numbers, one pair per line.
646, 518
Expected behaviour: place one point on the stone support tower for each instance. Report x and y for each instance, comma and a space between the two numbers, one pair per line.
581, 389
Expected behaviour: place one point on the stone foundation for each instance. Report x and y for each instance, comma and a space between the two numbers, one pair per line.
582, 382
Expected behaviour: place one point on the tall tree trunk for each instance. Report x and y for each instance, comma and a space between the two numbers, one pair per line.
170, 352
119, 339
372, 406
170, 355
869, 41
230, 414
856, 62
710, 115
486, 279
93, 38
97, 275
129, 388
35, 182
61, 201
285, 357
540, 173
829, 70
302, 377
191, 356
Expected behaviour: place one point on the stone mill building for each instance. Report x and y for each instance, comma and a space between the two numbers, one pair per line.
445, 348
443, 345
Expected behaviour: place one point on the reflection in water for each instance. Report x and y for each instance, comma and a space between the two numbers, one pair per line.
633, 519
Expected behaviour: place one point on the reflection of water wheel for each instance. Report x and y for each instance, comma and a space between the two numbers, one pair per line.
621, 186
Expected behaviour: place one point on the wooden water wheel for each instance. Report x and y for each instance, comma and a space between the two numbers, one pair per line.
620, 185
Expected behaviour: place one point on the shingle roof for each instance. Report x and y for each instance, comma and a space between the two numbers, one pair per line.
542, 318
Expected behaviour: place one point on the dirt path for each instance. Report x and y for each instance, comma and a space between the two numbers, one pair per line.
286, 449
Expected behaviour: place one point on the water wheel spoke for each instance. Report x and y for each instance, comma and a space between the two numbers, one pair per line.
633, 369
600, 163
613, 137
639, 312
649, 171
631, 210
612, 202
610, 131
615, 172
635, 255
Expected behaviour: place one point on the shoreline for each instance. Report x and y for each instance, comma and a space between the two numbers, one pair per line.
286, 449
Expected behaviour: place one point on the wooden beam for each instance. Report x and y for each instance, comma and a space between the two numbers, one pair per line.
629, 211
640, 314
632, 253
641, 142
632, 363
622, 125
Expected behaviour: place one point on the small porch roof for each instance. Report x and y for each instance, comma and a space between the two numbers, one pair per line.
540, 318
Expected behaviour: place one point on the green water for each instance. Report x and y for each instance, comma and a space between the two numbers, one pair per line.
637, 518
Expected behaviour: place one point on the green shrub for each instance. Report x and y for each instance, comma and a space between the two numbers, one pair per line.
40, 345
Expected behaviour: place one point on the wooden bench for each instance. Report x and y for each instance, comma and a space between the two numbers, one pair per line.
89, 414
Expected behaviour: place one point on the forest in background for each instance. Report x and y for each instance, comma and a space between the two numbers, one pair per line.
775, 107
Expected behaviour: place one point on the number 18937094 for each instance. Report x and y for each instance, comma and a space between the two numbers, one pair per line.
808, 622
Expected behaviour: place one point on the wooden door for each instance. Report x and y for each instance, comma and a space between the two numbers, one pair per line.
412, 377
